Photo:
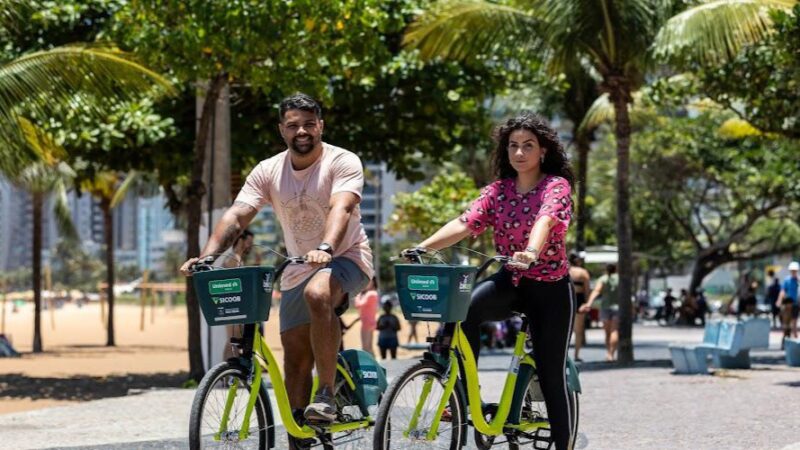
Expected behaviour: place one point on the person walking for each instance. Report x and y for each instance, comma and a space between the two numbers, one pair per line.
367, 305
788, 300
529, 207
607, 288
581, 282
315, 189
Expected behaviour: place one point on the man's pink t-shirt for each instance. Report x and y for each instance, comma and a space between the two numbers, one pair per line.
367, 304
512, 216
301, 201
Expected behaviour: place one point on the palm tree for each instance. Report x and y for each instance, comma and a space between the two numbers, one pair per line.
33, 83
714, 32
47, 177
611, 37
108, 189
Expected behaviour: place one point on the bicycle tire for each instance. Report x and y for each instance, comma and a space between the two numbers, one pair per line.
483, 442
207, 386
382, 435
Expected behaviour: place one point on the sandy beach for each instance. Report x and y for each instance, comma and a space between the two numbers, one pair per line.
77, 366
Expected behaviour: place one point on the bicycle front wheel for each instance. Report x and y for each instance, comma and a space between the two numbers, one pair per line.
226, 385
406, 413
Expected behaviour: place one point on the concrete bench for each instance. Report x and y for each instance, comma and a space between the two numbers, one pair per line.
792, 348
735, 353
729, 344
694, 358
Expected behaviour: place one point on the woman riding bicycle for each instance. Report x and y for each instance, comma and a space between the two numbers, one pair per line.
529, 207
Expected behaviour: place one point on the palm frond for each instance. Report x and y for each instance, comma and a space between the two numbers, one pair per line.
462, 29
122, 191
58, 73
602, 111
715, 32
61, 211
41, 142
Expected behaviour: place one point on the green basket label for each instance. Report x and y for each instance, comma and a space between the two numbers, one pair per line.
416, 296
231, 286
423, 283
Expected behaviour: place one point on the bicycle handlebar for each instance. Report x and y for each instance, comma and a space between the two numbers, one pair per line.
205, 264
415, 256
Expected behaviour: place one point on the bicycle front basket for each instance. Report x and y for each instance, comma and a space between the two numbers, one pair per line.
235, 296
435, 292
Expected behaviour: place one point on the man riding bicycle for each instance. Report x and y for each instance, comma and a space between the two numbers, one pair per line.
315, 189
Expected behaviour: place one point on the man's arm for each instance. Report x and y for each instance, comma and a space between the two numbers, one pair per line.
342, 205
230, 226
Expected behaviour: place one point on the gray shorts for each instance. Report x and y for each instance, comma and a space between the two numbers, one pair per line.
293, 308
609, 313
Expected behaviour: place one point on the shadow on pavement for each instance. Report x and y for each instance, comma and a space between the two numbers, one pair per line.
83, 388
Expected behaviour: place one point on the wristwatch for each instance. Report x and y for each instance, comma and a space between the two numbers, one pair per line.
533, 250
325, 247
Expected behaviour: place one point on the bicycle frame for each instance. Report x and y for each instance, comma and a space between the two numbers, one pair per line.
461, 353
263, 359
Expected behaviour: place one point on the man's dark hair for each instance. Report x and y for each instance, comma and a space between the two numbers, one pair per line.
245, 234
302, 102
611, 268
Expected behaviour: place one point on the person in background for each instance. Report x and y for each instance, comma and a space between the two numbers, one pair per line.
771, 297
669, 307
788, 301
607, 288
702, 306
367, 305
412, 331
388, 326
581, 282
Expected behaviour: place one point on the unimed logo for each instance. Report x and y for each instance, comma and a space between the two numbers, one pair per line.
423, 283
230, 286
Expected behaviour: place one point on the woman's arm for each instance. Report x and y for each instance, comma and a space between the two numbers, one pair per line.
595, 293
453, 232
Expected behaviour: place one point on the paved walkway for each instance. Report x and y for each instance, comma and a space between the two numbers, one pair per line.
641, 407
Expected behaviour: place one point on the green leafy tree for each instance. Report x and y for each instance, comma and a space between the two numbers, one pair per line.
441, 200
713, 199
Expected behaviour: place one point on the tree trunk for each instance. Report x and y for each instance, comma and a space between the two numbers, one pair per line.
193, 217
620, 97
582, 145
108, 232
38, 204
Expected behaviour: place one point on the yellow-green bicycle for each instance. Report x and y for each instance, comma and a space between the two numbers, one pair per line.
232, 407
432, 403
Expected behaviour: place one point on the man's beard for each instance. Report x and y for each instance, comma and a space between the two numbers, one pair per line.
304, 148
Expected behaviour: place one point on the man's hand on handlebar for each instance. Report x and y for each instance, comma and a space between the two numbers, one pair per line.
412, 254
188, 268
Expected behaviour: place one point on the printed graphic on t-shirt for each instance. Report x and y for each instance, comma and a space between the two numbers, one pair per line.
306, 218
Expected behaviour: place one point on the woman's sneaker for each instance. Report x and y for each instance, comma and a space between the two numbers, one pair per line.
323, 408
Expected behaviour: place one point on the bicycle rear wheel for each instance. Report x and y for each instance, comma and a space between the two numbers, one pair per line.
205, 430
419, 389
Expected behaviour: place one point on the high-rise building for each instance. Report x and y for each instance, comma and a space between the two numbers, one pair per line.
155, 232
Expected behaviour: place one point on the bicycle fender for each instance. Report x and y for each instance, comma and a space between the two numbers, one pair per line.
573, 381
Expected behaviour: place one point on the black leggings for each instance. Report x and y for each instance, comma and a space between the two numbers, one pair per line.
549, 308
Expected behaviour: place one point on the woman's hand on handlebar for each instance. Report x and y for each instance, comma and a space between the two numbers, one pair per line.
523, 260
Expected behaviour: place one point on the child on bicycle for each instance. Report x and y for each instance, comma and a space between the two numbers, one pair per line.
529, 207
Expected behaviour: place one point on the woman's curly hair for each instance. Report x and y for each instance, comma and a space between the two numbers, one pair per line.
555, 159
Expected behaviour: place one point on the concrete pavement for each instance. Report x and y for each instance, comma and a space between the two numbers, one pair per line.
640, 407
